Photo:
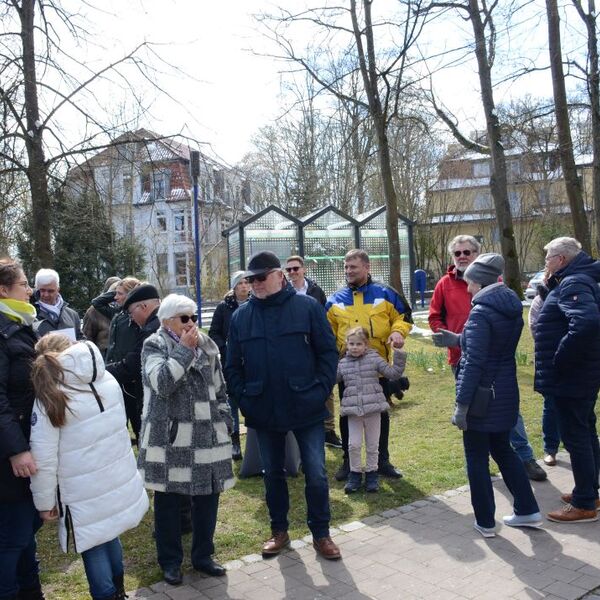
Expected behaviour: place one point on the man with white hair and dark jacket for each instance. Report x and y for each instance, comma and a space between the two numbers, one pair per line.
53, 313
567, 368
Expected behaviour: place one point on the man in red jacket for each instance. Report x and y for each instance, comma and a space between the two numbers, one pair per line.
449, 309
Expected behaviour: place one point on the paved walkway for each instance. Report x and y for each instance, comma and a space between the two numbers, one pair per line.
425, 550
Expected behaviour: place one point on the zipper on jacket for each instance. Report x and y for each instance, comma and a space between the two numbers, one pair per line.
60, 508
97, 396
70, 528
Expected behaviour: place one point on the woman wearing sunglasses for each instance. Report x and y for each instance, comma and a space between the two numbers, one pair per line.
185, 446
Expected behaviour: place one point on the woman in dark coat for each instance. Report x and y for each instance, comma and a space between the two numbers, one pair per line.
488, 372
219, 328
122, 339
19, 520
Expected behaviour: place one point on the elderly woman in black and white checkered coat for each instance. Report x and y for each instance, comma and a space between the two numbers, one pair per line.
185, 447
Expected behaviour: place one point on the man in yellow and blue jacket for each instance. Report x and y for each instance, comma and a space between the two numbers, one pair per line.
386, 315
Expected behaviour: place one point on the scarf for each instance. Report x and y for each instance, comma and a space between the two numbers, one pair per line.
17, 310
53, 308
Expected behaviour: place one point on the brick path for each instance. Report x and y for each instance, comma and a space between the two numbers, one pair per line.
424, 550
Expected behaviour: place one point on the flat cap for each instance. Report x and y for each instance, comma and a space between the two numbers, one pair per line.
145, 291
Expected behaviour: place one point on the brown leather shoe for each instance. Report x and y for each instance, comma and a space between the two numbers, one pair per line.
326, 548
566, 499
274, 545
570, 514
550, 460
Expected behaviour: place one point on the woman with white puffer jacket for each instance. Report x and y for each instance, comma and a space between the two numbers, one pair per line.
87, 475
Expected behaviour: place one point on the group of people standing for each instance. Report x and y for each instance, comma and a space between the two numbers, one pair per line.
480, 320
275, 350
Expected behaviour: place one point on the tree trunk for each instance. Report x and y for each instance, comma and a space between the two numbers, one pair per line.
567, 159
37, 168
368, 70
498, 183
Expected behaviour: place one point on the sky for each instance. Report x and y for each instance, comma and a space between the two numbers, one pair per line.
225, 90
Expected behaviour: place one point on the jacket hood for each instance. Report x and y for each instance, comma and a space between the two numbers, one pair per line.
501, 298
275, 299
584, 264
230, 300
82, 363
454, 272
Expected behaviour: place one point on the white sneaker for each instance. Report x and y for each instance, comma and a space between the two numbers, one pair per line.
486, 532
533, 520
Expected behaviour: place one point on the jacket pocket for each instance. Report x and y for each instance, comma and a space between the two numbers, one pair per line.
308, 396
251, 402
173, 431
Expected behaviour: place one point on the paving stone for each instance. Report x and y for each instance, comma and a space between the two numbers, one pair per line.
352, 526
251, 558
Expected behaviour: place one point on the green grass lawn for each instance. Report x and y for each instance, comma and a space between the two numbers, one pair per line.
423, 444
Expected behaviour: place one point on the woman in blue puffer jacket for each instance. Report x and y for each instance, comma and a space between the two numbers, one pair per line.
488, 372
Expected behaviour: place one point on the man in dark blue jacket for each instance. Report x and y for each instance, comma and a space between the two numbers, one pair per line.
281, 367
567, 367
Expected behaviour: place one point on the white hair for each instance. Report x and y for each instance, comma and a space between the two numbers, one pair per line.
45, 276
176, 304
465, 239
565, 246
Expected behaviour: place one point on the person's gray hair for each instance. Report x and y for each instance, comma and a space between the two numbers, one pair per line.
564, 246
176, 304
465, 239
45, 276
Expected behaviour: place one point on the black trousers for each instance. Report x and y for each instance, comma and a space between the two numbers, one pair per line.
384, 435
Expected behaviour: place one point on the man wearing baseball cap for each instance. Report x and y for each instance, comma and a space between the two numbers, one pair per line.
281, 367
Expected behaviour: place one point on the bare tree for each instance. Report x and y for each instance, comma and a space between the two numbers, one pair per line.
567, 158
384, 78
40, 84
480, 15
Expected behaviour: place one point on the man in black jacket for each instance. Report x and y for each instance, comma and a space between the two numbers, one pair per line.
142, 305
296, 272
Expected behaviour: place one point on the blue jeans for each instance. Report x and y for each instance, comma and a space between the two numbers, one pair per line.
19, 569
520, 442
102, 563
550, 431
577, 425
167, 527
479, 445
311, 441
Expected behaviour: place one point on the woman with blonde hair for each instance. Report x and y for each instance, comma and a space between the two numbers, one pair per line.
87, 475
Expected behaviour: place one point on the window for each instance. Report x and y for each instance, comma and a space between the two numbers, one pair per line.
161, 220
513, 169
483, 201
543, 196
514, 200
179, 225
481, 169
181, 269
162, 185
162, 264
127, 188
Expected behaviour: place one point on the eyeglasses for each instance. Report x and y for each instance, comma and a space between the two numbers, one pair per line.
292, 269
185, 318
132, 309
457, 253
261, 278
551, 256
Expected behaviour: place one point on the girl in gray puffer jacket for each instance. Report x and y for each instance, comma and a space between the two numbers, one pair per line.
362, 401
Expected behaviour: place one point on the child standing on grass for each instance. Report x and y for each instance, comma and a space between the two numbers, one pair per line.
363, 401
87, 475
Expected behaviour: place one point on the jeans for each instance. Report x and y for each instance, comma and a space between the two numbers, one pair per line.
479, 445
384, 435
577, 425
19, 568
102, 563
167, 527
235, 414
311, 442
550, 431
520, 442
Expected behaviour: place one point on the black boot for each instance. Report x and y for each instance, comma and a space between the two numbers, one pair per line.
35, 593
371, 481
236, 450
342, 473
354, 482
119, 582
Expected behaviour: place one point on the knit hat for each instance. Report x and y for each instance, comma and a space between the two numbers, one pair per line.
141, 292
236, 278
485, 269
262, 262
